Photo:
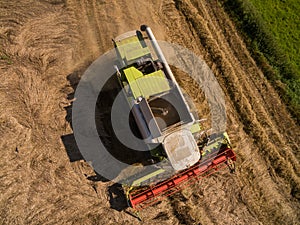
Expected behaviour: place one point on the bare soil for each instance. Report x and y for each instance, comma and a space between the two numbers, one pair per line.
45, 47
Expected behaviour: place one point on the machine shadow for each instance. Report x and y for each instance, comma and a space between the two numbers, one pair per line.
117, 199
105, 131
69, 139
71, 148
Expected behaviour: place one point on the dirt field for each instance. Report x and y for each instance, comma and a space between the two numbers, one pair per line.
46, 46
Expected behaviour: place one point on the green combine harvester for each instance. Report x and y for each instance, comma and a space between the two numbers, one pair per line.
165, 122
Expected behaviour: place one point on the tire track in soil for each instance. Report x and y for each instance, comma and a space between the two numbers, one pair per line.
270, 99
265, 112
263, 116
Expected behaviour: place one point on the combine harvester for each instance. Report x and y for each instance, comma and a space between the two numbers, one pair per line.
164, 120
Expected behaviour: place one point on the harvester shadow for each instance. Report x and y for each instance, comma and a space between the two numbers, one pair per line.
103, 122
97, 177
71, 148
69, 139
117, 197
106, 134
